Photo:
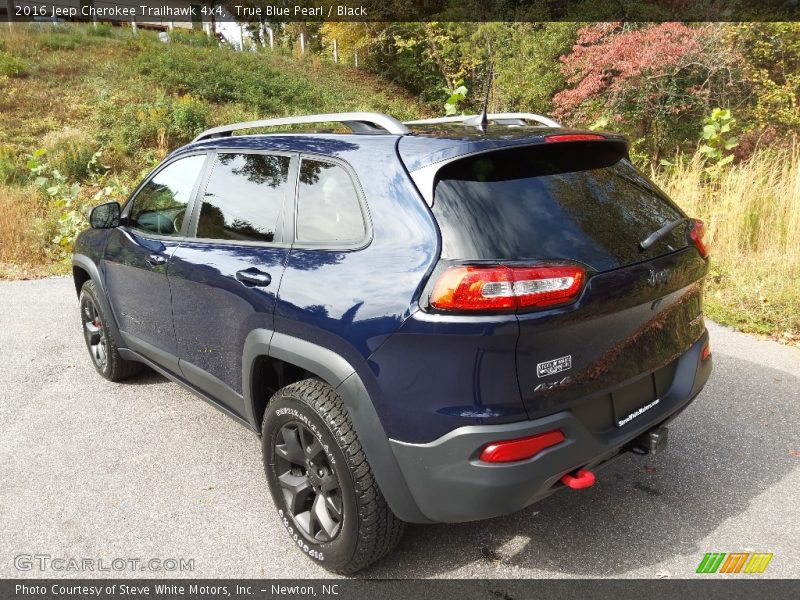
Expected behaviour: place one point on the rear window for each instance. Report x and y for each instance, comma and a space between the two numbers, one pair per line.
576, 201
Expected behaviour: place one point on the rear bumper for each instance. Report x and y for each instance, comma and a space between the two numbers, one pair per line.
449, 484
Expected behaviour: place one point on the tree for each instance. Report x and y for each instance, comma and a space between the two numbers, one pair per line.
434, 59
771, 52
526, 79
654, 82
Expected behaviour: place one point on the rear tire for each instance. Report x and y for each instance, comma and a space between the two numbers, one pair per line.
321, 482
100, 340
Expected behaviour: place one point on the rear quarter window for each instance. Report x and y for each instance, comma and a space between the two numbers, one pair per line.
328, 206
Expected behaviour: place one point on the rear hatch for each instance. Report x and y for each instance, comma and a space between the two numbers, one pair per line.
580, 203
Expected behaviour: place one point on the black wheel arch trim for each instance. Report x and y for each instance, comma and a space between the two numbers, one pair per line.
340, 375
87, 264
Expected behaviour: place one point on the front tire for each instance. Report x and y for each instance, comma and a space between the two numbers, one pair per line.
99, 340
321, 482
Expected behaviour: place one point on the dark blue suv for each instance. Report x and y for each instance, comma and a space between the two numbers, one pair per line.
436, 321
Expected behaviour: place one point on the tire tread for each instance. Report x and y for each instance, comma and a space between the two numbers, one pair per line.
119, 367
379, 530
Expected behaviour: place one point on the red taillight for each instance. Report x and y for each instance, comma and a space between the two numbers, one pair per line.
573, 137
474, 288
498, 287
521, 448
706, 352
697, 234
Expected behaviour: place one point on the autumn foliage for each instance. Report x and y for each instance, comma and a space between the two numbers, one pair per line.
607, 59
645, 80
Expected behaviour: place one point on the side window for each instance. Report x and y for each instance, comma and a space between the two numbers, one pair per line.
160, 206
328, 209
244, 197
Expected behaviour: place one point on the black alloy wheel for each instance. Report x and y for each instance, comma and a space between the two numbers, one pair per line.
94, 334
308, 483
100, 338
321, 483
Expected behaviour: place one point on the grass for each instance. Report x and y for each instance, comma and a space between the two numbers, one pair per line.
752, 217
124, 89
22, 253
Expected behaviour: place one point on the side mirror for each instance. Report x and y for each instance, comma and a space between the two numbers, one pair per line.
105, 216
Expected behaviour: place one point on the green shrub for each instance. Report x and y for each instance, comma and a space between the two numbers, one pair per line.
193, 38
146, 124
223, 75
61, 40
12, 168
189, 117
71, 36
69, 151
101, 30
13, 66
162, 123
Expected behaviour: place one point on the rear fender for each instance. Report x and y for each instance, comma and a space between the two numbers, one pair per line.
340, 375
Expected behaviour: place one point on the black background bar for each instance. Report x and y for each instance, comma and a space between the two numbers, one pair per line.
711, 587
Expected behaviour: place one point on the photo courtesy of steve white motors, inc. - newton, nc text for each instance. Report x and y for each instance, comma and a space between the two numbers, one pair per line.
436, 299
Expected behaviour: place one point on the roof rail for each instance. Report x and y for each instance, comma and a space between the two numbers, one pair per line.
358, 122
492, 117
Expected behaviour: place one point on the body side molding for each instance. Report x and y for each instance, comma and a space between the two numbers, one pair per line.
132, 355
256, 344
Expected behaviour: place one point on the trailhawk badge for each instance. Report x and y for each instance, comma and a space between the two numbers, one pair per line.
551, 367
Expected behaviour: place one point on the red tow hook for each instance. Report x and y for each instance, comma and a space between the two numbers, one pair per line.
582, 479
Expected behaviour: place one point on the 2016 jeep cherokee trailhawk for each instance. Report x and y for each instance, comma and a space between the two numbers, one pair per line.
424, 322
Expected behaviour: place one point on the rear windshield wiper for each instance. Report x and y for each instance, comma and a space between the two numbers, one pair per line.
651, 239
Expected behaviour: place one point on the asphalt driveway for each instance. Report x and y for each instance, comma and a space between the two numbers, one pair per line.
142, 469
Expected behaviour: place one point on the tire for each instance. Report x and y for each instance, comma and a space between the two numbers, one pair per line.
321, 482
100, 340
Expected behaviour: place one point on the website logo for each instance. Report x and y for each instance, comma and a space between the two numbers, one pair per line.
734, 562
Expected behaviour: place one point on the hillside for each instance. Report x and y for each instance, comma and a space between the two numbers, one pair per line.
85, 112
133, 93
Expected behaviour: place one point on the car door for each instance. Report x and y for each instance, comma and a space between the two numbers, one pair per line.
225, 277
328, 295
138, 252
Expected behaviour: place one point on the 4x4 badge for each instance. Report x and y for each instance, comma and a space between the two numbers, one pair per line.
551, 367
546, 386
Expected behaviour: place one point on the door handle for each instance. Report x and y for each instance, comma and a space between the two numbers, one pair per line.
254, 277
156, 259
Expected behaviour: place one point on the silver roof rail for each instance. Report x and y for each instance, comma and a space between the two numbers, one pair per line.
492, 117
358, 122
